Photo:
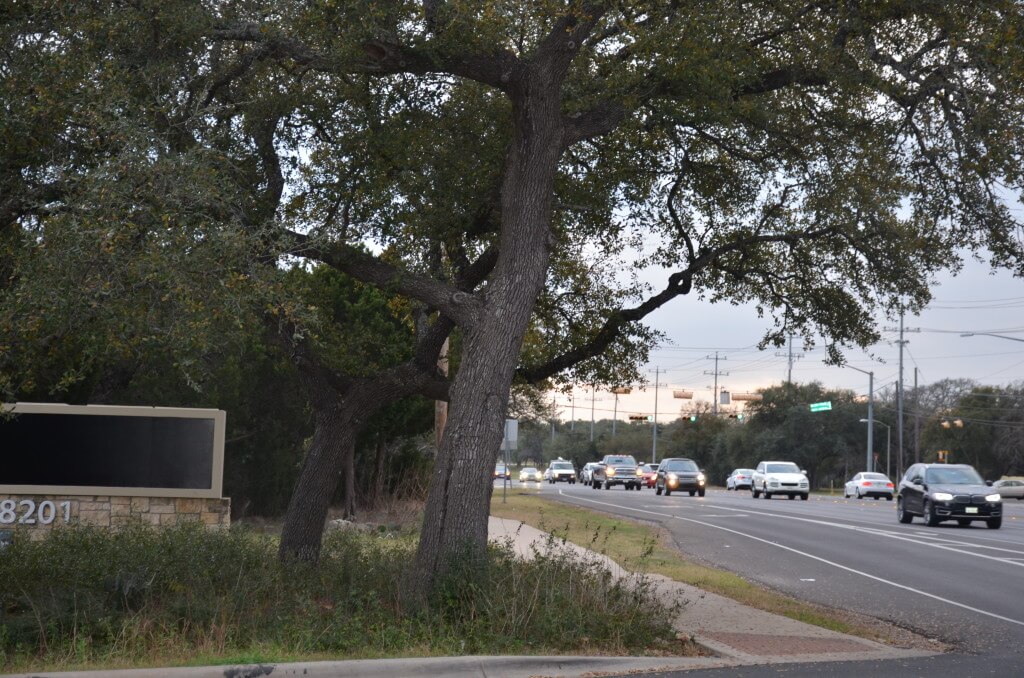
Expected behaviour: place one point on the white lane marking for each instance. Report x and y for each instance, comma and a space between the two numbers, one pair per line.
944, 544
806, 580
819, 559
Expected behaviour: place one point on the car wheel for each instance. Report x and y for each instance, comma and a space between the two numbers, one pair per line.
857, 492
755, 493
767, 494
693, 492
928, 514
889, 498
994, 523
700, 493
668, 492
804, 497
876, 497
607, 485
902, 514
657, 490
792, 496
963, 522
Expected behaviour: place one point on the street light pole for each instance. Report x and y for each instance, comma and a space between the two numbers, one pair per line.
871, 413
989, 334
888, 442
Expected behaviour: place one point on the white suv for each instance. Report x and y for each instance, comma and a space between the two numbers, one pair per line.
780, 477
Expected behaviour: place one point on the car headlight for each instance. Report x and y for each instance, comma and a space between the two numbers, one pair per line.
700, 478
942, 496
611, 471
994, 497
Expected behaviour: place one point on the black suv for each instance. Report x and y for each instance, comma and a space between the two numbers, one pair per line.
678, 473
938, 492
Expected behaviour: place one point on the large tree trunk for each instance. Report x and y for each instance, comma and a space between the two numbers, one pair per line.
334, 435
455, 522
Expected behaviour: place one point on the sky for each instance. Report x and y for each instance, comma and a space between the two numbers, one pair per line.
973, 301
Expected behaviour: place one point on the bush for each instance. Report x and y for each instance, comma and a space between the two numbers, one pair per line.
85, 596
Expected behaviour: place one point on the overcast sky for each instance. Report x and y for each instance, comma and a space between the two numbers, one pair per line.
974, 301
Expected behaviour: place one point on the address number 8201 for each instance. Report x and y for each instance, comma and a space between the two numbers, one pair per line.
27, 512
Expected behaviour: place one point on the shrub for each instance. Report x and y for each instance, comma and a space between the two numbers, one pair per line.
85, 596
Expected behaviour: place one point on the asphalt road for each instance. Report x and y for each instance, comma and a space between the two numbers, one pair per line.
964, 586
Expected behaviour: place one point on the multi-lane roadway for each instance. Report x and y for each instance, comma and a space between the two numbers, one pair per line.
964, 586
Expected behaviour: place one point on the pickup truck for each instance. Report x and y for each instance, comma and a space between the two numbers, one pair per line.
616, 469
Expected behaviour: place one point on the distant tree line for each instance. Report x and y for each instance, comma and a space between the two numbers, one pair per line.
978, 425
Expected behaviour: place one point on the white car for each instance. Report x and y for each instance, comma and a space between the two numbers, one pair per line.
780, 477
739, 478
560, 470
529, 473
865, 484
587, 474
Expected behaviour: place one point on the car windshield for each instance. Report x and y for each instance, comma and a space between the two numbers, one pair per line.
621, 460
529, 469
782, 468
650, 468
743, 471
680, 466
874, 476
952, 476
561, 464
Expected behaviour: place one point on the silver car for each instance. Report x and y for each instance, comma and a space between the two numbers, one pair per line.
1010, 489
740, 477
587, 473
866, 484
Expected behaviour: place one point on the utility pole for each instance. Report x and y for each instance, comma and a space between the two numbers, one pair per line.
593, 393
554, 413
899, 394
716, 373
654, 435
791, 358
917, 422
572, 402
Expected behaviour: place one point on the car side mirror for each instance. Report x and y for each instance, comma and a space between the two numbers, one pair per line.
804, 471
917, 480
989, 483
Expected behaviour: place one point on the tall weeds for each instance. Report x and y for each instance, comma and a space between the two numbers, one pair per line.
87, 597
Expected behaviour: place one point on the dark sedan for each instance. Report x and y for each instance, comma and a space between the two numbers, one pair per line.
939, 492
679, 474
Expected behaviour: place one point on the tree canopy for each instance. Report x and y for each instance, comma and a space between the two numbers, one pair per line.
513, 165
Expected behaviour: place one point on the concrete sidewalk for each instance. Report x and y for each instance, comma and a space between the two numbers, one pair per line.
735, 634
732, 631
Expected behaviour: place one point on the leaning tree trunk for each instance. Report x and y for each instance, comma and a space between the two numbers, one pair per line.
334, 434
340, 412
455, 520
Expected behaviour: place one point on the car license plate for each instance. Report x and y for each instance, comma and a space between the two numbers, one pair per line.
971, 509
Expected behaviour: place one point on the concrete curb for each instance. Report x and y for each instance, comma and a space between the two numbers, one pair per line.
454, 667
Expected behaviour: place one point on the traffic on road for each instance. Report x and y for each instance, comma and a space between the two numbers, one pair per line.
953, 580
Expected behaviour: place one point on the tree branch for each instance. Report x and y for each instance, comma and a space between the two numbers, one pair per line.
462, 307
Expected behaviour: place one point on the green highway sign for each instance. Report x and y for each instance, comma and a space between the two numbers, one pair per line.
821, 407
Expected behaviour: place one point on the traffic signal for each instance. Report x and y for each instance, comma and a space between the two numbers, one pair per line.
637, 417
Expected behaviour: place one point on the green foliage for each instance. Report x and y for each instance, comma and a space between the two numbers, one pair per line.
87, 596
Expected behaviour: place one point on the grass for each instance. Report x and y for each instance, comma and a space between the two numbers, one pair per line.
642, 547
86, 598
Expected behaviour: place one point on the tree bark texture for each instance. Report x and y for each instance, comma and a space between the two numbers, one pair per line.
334, 434
455, 521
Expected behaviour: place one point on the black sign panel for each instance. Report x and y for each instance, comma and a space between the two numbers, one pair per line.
107, 451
